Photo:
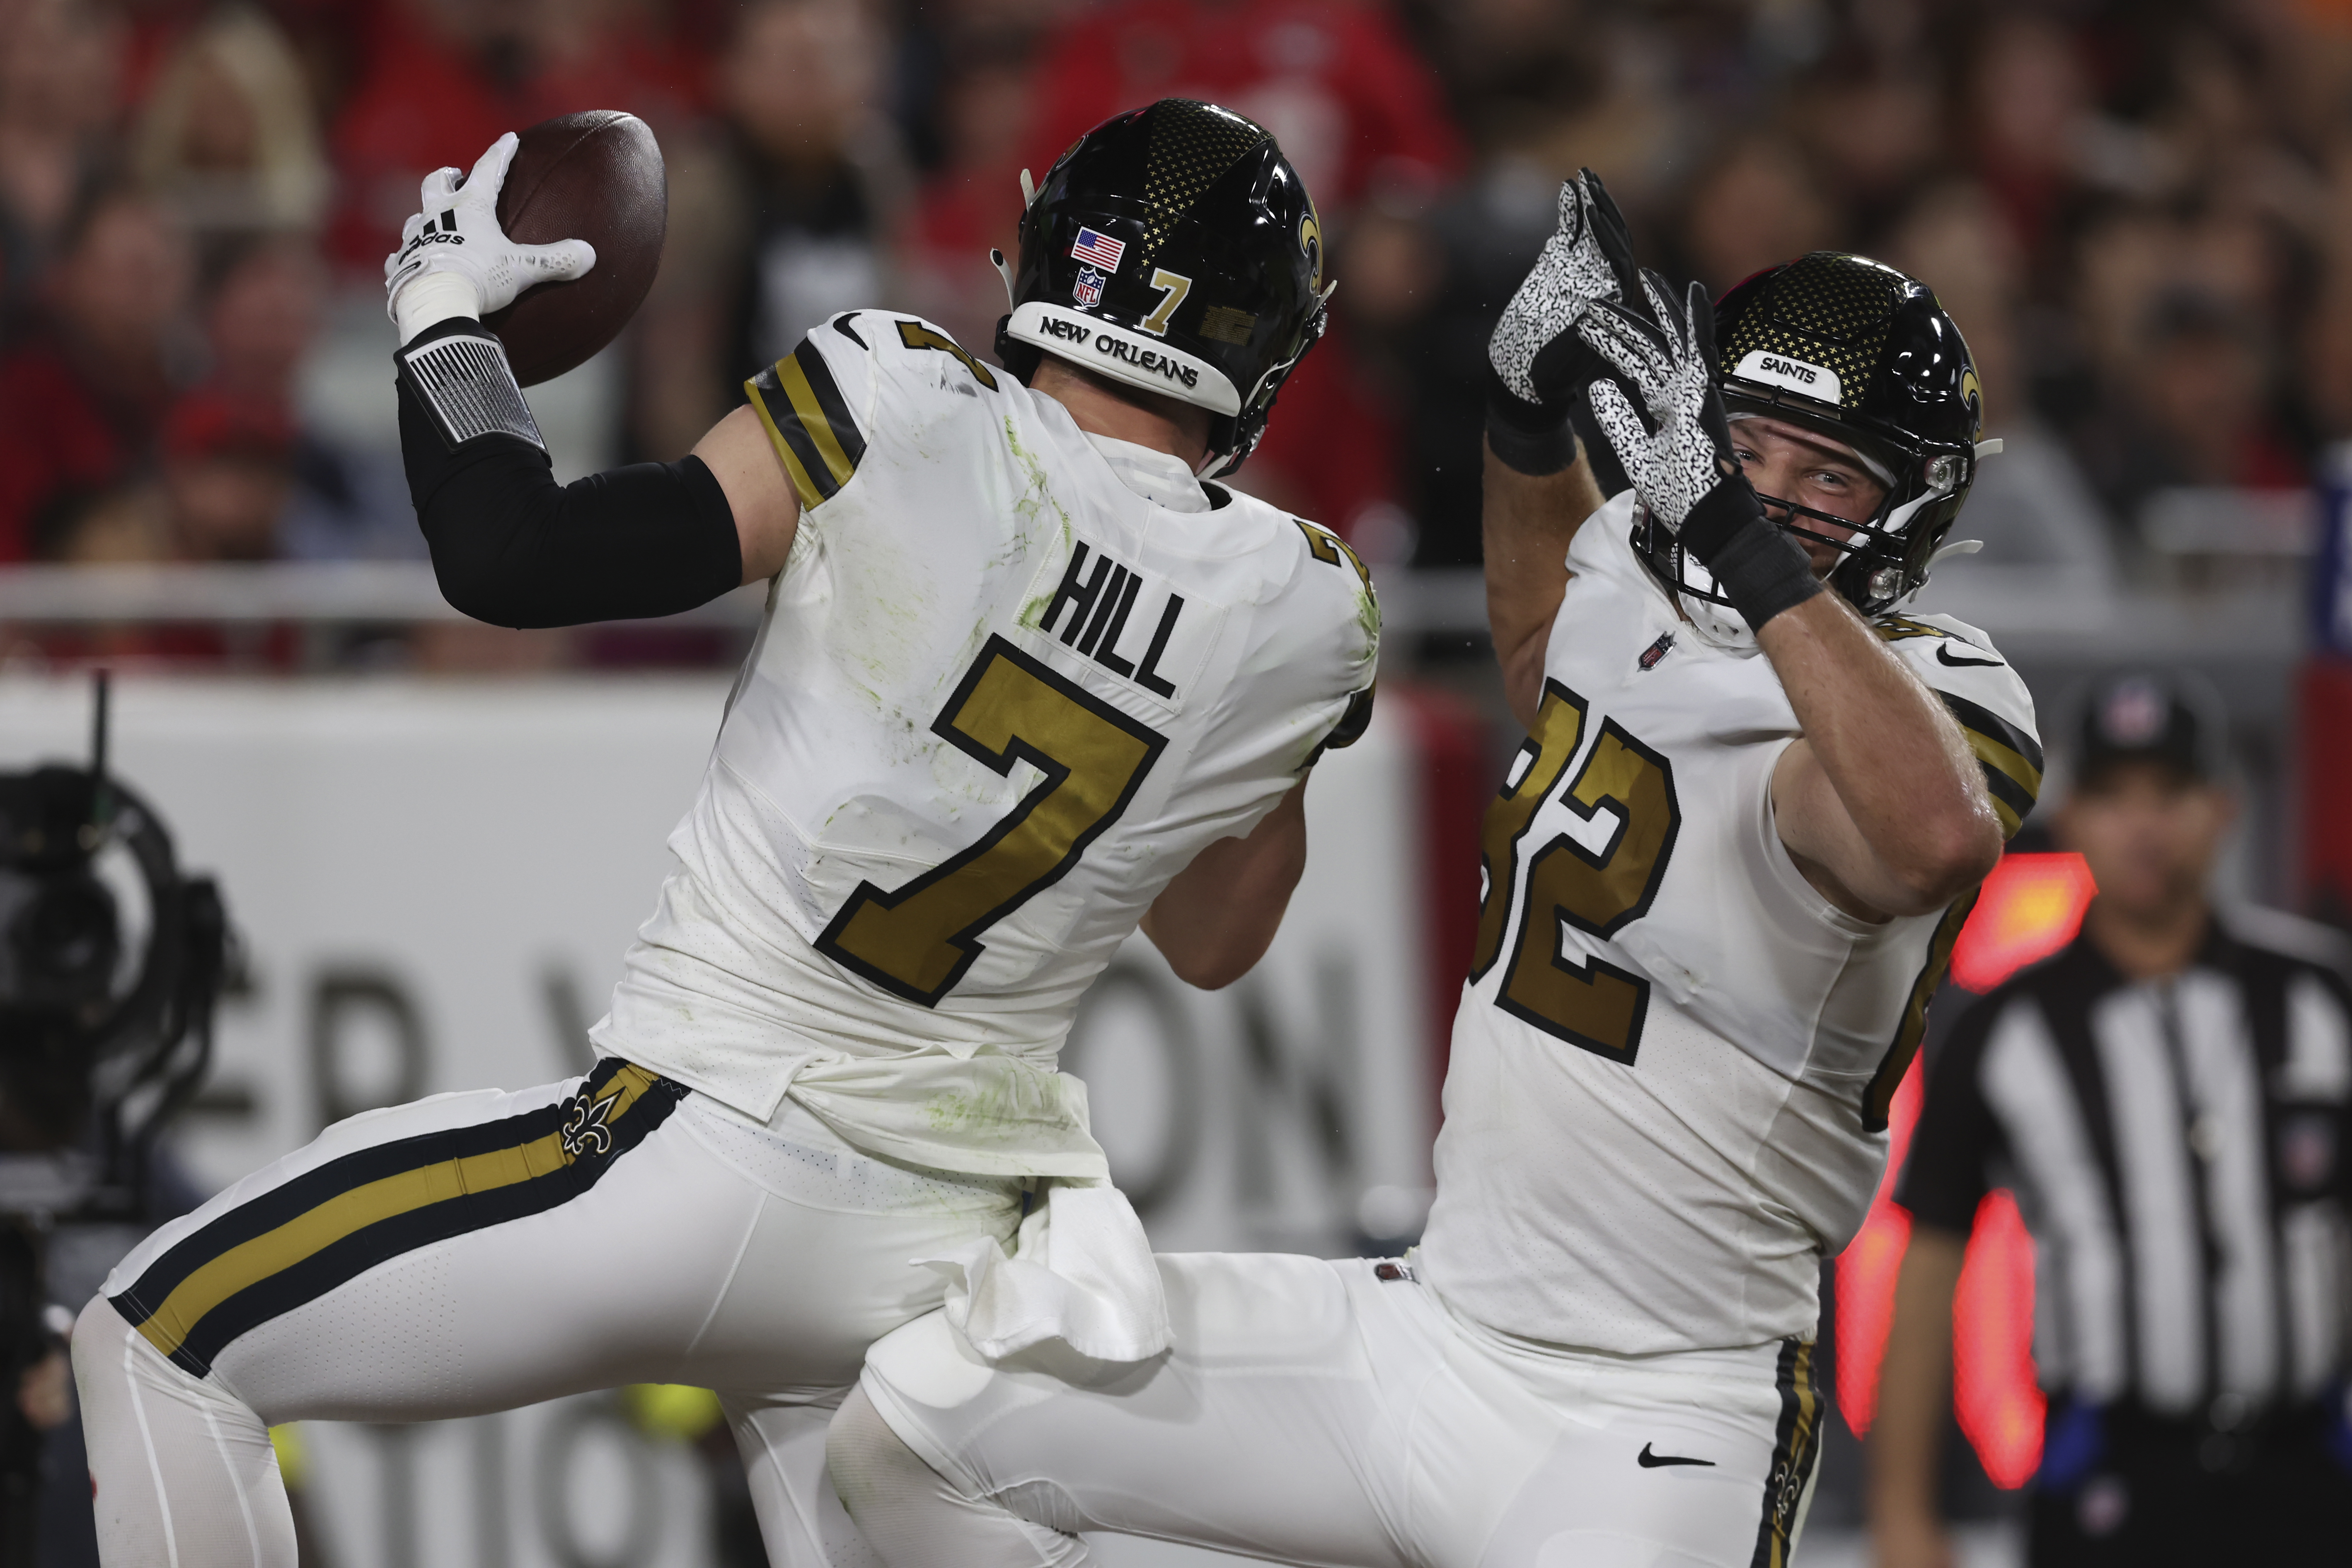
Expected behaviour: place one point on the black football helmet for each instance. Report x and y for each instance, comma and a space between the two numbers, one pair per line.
1861, 353
1174, 247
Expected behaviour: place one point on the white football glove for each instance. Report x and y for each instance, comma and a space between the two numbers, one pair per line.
455, 260
1588, 256
1680, 460
1536, 369
1671, 363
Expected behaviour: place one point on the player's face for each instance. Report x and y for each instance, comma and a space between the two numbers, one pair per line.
1787, 462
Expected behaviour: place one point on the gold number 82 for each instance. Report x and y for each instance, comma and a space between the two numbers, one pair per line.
1597, 1005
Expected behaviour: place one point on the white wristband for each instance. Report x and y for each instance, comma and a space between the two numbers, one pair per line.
432, 298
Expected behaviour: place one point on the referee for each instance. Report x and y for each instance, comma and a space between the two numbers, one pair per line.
2167, 1098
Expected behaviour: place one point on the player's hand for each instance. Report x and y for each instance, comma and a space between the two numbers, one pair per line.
1537, 370
1679, 459
455, 260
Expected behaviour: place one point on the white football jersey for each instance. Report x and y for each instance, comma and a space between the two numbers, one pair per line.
1667, 1097
1011, 679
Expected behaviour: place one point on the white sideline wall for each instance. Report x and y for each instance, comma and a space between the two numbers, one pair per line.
433, 881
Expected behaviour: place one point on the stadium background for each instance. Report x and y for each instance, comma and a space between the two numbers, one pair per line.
436, 835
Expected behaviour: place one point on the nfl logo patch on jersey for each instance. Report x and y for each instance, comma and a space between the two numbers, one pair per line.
1097, 250
2306, 1149
1088, 288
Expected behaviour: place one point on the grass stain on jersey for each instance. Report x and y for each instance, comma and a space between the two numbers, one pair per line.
882, 609
1029, 507
1008, 1102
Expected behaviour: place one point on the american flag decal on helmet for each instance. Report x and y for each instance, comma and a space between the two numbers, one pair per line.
1097, 250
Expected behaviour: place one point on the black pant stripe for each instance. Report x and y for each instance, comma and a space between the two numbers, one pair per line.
305, 1277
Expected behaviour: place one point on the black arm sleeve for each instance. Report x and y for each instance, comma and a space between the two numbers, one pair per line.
1957, 1137
512, 547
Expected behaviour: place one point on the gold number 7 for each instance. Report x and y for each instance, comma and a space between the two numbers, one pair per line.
1172, 286
920, 940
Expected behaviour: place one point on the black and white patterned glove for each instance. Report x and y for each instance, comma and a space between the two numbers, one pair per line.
455, 260
1537, 370
1680, 459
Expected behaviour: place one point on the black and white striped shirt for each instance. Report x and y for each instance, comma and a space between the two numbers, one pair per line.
2180, 1153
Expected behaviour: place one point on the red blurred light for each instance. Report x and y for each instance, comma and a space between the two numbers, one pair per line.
1994, 1393
2030, 907
1866, 1270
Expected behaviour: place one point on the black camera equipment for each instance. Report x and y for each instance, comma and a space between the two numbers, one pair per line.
111, 963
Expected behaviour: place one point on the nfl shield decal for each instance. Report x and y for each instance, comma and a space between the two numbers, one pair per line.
1087, 290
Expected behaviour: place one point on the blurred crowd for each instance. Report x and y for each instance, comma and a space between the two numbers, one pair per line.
2140, 213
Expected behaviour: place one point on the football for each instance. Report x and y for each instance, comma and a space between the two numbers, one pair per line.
595, 176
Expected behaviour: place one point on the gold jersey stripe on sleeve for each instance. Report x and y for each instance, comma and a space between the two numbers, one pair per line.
809, 422
319, 1230
2012, 760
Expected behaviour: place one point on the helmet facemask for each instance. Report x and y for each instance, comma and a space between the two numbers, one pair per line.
1883, 559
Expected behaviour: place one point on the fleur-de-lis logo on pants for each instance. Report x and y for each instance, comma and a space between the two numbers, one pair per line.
585, 1130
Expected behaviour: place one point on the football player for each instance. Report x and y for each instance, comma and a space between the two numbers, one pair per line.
1722, 879
1027, 679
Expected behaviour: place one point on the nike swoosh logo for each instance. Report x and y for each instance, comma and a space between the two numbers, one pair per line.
1650, 1461
1944, 655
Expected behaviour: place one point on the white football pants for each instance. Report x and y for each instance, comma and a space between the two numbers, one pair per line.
474, 1252
1326, 1413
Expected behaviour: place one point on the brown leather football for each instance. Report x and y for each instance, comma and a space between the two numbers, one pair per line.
595, 176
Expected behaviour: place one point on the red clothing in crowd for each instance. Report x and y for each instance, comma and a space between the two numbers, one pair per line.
1353, 108
944, 273
62, 432
1356, 112
2265, 462
1335, 80
424, 102
1329, 450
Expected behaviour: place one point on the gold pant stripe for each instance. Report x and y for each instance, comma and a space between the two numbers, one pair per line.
317, 1228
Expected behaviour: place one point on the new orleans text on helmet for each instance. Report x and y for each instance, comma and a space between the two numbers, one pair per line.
1118, 348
